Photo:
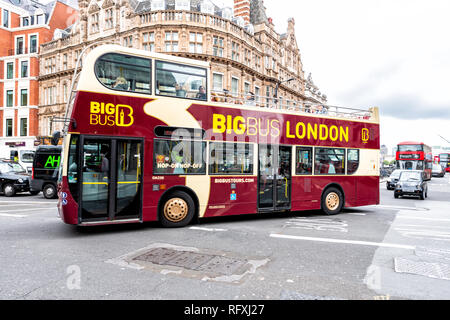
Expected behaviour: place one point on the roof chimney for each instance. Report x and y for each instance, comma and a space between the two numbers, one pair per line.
242, 9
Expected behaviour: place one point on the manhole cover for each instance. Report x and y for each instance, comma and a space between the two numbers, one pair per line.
428, 269
204, 264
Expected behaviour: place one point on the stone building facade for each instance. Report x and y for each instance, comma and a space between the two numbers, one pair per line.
245, 52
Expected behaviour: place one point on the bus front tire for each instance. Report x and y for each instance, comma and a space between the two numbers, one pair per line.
332, 201
177, 210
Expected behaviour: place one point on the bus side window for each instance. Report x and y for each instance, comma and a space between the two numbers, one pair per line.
304, 160
181, 81
124, 73
352, 160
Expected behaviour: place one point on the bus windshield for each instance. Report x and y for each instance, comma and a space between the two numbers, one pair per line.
410, 147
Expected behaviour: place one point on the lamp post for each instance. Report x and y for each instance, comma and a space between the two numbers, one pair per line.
277, 86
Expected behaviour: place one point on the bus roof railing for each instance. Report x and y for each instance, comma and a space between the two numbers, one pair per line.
302, 107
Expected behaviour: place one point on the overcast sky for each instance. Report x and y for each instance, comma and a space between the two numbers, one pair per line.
394, 54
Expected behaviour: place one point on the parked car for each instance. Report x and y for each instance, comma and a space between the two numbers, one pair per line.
392, 180
411, 183
45, 170
13, 178
437, 171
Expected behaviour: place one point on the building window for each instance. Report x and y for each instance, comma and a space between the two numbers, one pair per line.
171, 41
23, 127
217, 81
94, 23
234, 86
257, 93
65, 92
148, 41
218, 46
33, 44
9, 127
9, 98
246, 87
235, 51
25, 21
247, 57
329, 161
65, 61
195, 42
40, 19
20, 45
109, 18
10, 70
23, 97
5, 18
128, 41
24, 69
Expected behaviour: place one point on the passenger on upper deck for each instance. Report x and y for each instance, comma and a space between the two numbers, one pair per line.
201, 93
120, 84
250, 99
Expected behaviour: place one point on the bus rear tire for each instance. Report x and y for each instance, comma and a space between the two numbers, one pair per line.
177, 210
332, 201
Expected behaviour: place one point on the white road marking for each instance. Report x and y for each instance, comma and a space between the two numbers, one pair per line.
12, 215
422, 218
357, 213
342, 241
21, 210
317, 224
208, 229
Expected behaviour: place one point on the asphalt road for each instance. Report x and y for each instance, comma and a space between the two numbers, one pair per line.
397, 250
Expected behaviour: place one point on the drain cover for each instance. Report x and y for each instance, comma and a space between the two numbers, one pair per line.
192, 260
204, 264
428, 269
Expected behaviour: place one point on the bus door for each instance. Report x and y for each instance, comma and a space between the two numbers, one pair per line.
111, 179
274, 178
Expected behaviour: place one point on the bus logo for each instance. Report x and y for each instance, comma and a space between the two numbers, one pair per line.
365, 135
109, 114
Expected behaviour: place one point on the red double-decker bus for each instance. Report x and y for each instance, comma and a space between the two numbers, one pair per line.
444, 161
414, 156
146, 139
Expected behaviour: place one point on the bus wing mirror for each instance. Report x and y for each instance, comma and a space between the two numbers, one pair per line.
55, 138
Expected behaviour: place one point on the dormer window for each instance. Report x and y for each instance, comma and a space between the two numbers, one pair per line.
183, 5
227, 13
25, 21
40, 19
207, 7
158, 5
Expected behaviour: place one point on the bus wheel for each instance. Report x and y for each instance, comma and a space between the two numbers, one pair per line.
332, 201
177, 210
8, 190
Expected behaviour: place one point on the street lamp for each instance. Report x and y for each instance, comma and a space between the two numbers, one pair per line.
278, 84
276, 89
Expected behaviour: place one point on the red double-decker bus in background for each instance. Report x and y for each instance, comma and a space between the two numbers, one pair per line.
444, 161
414, 156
